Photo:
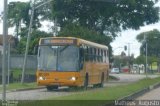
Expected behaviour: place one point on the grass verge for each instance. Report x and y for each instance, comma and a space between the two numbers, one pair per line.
95, 97
111, 93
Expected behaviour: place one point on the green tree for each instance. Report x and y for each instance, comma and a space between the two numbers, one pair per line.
142, 59
152, 38
18, 16
105, 17
35, 37
74, 30
16, 12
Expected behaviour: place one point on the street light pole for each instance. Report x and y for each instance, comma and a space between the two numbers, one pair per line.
28, 40
5, 33
146, 55
29, 36
129, 50
146, 58
9, 52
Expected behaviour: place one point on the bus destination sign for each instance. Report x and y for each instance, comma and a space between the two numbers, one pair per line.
58, 41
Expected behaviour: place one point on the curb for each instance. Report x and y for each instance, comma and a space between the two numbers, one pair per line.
140, 92
25, 89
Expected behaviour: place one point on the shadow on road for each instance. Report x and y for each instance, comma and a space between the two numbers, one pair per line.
73, 89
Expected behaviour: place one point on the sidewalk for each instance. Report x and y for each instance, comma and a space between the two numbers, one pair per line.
151, 95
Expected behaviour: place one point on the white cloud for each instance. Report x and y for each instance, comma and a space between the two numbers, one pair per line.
129, 36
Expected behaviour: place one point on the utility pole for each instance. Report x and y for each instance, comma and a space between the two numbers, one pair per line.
29, 35
9, 51
129, 59
146, 54
28, 40
129, 49
5, 33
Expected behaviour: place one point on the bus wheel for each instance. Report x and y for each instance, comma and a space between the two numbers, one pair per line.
102, 80
86, 82
50, 88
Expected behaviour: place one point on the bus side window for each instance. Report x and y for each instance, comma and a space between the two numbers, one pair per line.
86, 54
107, 59
91, 55
105, 56
101, 55
97, 55
94, 54
81, 57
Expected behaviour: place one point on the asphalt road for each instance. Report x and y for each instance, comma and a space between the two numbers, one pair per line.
37, 94
127, 78
41, 94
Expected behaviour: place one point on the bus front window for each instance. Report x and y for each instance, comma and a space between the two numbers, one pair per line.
58, 58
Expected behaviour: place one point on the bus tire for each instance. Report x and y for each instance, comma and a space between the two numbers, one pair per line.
50, 88
102, 80
85, 82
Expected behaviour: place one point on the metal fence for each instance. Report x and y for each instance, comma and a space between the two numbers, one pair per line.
16, 61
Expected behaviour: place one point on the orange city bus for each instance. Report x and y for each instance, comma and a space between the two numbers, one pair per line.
73, 62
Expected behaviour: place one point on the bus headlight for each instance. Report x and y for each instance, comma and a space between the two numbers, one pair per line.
41, 78
73, 78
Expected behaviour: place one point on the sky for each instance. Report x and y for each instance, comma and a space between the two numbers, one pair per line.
126, 38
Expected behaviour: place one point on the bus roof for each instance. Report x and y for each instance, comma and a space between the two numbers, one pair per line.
81, 41
92, 44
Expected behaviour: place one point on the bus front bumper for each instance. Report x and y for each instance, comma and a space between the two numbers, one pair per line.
58, 83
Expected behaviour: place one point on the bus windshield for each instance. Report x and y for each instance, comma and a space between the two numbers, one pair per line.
58, 58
